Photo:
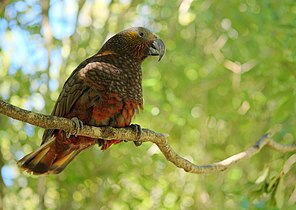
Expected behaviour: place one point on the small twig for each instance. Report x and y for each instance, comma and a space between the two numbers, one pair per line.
281, 148
129, 134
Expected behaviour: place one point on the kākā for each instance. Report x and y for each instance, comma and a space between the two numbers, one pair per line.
104, 90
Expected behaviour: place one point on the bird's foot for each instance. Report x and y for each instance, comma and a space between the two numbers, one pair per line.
137, 128
78, 127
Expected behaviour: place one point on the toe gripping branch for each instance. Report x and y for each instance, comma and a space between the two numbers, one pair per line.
137, 128
78, 127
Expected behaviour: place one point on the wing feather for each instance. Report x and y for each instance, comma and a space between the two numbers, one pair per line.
91, 74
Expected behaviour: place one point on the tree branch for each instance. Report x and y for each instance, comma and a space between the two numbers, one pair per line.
129, 134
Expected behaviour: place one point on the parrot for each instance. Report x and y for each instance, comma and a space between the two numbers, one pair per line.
104, 90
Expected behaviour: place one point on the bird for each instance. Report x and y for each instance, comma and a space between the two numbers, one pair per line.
104, 90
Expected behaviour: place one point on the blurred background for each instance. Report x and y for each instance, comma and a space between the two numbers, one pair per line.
228, 76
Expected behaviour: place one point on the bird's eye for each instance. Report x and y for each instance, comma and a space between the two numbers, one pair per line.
141, 34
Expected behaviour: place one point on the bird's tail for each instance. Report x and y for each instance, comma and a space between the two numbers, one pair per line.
48, 159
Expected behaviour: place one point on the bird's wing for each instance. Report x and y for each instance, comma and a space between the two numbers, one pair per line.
89, 74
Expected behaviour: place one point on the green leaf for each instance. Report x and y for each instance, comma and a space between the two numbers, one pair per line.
279, 194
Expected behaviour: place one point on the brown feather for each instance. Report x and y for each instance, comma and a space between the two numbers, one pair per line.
104, 90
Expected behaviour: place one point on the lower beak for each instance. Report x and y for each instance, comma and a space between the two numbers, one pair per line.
157, 48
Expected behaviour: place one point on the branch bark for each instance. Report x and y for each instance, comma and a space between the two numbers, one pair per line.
129, 134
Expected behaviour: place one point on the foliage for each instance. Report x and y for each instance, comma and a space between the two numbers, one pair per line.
227, 77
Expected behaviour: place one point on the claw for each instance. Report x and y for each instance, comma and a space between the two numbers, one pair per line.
78, 127
138, 129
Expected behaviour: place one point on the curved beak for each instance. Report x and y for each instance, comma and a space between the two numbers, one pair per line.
157, 47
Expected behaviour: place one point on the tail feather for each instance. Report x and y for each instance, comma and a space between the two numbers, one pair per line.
61, 163
46, 160
37, 156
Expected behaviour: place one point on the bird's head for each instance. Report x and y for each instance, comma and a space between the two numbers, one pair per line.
138, 43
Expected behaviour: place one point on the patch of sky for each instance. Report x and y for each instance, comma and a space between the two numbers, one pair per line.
9, 173
29, 129
26, 51
61, 15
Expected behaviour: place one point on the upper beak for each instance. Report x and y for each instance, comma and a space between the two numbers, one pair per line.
157, 48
